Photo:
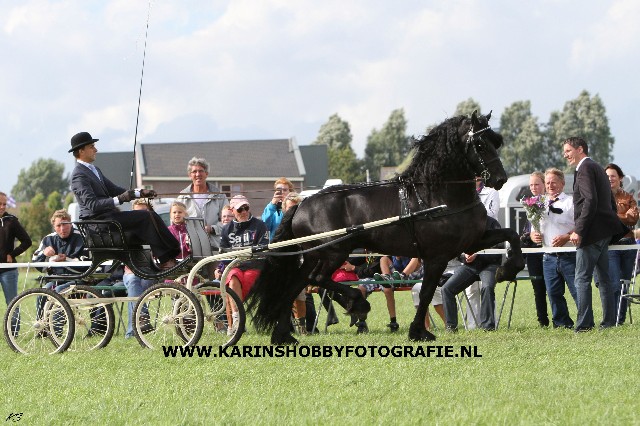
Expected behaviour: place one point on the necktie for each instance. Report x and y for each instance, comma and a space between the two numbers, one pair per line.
555, 210
95, 171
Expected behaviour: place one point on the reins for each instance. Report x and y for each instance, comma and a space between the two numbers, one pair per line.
352, 231
427, 214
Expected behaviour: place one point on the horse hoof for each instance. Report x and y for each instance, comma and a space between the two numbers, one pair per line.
420, 334
285, 339
358, 307
354, 320
500, 274
361, 306
509, 271
505, 274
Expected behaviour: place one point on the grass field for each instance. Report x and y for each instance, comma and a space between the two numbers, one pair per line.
526, 375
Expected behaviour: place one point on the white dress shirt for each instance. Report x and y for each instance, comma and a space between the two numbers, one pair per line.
554, 224
491, 200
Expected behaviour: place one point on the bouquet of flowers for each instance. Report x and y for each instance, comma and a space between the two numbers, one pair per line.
534, 206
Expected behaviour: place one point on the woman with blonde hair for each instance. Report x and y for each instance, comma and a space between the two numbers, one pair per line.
273, 212
534, 260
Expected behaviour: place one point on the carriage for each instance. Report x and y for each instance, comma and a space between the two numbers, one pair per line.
173, 312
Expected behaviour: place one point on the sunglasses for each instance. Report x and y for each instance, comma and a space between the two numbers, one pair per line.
242, 209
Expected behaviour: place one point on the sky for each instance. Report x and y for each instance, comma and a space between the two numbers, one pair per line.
264, 69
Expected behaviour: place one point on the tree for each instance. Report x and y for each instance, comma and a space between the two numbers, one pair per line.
523, 141
389, 146
54, 202
44, 176
585, 117
335, 133
35, 219
343, 164
463, 108
68, 199
551, 153
467, 107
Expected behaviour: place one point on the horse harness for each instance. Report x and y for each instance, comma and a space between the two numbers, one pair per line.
407, 217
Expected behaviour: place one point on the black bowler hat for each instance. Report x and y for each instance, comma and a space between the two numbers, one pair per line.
81, 139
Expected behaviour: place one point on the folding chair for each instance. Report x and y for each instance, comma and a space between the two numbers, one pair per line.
631, 295
519, 277
321, 306
469, 309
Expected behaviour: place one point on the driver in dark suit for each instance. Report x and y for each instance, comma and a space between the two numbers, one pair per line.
596, 226
98, 199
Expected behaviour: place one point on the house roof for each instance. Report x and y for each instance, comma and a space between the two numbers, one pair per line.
116, 166
242, 159
316, 164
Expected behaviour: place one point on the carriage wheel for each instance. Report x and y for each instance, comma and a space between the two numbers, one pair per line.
39, 321
167, 314
95, 322
219, 326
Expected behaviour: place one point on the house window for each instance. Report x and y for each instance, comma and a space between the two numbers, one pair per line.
234, 188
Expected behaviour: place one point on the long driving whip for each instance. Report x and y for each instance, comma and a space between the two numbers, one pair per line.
135, 137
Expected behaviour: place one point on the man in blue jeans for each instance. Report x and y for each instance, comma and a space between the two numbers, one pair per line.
558, 267
597, 225
135, 287
484, 266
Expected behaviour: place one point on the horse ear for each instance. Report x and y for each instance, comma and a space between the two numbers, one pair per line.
489, 115
474, 118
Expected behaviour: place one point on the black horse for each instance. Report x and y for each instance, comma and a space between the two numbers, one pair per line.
442, 172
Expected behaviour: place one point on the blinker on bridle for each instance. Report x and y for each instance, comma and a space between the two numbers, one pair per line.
471, 139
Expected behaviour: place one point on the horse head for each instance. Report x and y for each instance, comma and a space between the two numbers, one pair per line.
481, 149
460, 148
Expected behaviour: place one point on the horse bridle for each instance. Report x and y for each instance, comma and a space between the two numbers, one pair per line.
471, 141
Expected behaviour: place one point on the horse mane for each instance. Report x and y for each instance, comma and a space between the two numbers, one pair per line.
350, 186
437, 155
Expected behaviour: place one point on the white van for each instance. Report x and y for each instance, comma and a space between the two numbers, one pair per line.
329, 182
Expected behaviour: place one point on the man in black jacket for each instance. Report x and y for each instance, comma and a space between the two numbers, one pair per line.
596, 226
10, 231
98, 198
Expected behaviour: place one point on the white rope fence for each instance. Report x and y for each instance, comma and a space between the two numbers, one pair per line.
72, 264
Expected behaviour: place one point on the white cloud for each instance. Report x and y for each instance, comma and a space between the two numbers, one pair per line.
277, 68
614, 37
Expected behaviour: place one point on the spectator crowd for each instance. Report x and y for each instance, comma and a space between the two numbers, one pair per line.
597, 214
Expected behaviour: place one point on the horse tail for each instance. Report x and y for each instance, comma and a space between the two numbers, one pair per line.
269, 295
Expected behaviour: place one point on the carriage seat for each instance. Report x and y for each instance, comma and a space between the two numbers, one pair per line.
107, 234
106, 240
198, 238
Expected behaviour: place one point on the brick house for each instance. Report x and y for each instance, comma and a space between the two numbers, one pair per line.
245, 166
